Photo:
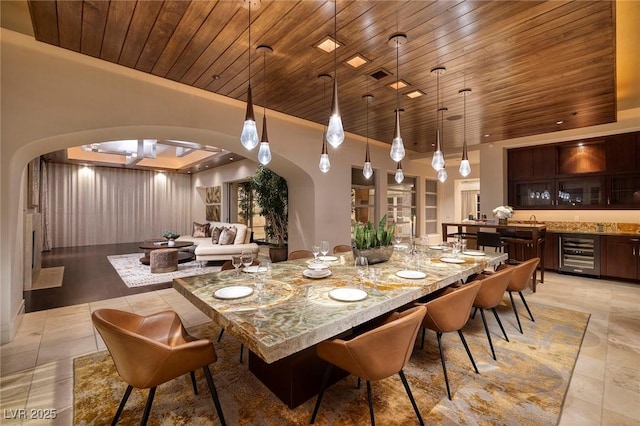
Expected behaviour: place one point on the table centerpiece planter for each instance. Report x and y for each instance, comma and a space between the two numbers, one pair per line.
373, 242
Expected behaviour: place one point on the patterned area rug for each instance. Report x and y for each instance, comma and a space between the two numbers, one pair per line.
135, 274
526, 386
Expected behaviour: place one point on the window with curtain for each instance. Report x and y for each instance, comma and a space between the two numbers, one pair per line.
401, 203
469, 203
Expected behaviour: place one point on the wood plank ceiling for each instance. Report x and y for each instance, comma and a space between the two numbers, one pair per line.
530, 64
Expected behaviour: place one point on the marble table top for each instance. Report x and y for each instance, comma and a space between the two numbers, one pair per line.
290, 312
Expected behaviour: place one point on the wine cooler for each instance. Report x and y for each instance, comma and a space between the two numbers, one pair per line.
580, 254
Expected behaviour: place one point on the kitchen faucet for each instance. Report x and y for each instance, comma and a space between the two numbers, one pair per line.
534, 219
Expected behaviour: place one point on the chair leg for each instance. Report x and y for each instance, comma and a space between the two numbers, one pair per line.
241, 351
325, 380
193, 382
464, 342
358, 384
515, 311
147, 407
526, 306
495, 314
422, 342
413, 401
444, 365
373, 420
220, 335
473, 316
125, 397
214, 394
486, 329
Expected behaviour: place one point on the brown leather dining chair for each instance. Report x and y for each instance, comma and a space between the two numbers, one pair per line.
449, 313
300, 254
489, 296
342, 248
150, 350
375, 354
522, 274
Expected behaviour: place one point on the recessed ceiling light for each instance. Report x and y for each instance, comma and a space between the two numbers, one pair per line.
415, 94
559, 122
400, 84
230, 158
487, 135
357, 61
328, 45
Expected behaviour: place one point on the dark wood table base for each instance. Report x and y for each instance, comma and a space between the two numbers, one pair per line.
296, 378
183, 257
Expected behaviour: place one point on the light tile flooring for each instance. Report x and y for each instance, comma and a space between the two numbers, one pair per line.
36, 368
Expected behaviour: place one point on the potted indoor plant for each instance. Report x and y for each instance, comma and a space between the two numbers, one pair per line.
373, 242
271, 194
503, 213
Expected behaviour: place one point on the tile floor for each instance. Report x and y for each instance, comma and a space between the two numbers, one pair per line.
36, 368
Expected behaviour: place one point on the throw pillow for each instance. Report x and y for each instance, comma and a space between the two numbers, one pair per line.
215, 234
201, 230
227, 236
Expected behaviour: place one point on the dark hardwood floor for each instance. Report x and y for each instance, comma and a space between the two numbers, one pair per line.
88, 277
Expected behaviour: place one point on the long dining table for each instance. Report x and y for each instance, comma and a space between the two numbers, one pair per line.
286, 314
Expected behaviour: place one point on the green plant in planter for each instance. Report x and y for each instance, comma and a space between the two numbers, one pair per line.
170, 235
368, 236
272, 197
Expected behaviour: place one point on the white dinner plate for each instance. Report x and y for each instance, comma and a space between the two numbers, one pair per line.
474, 253
437, 247
317, 265
233, 292
412, 275
316, 273
328, 258
255, 268
451, 260
346, 294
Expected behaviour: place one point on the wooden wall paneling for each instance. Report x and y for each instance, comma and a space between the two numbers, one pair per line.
520, 163
581, 159
544, 161
622, 152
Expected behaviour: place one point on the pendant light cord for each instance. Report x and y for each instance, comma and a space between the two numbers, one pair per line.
264, 77
335, 39
249, 42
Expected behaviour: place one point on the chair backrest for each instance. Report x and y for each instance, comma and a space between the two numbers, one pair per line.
451, 312
385, 350
342, 248
137, 358
522, 273
300, 254
488, 239
493, 288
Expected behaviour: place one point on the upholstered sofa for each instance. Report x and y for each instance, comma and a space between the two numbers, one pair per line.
206, 249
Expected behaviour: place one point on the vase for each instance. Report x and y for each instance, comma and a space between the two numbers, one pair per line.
171, 242
374, 255
502, 221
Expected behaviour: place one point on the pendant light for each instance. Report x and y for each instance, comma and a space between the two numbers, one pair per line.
465, 168
437, 162
264, 154
325, 164
249, 136
397, 146
367, 170
399, 177
335, 131
442, 173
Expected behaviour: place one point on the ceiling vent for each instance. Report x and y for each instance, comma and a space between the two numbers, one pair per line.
380, 74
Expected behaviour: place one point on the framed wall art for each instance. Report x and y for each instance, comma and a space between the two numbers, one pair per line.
33, 183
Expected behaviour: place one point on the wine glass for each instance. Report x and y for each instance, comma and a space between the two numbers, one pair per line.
398, 238
247, 259
374, 274
362, 267
324, 247
236, 261
316, 251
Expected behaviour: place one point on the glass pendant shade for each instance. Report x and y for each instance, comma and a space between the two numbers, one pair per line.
397, 146
249, 136
367, 171
465, 168
335, 131
325, 164
399, 177
437, 162
264, 154
442, 175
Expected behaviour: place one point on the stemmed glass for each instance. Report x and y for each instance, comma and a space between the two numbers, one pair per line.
324, 247
247, 259
236, 261
316, 251
374, 274
362, 267
398, 238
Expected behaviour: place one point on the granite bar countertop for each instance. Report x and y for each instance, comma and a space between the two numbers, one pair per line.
290, 312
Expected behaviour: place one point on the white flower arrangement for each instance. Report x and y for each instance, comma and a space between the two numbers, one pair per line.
503, 212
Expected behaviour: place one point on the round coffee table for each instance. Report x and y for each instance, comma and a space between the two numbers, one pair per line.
183, 256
